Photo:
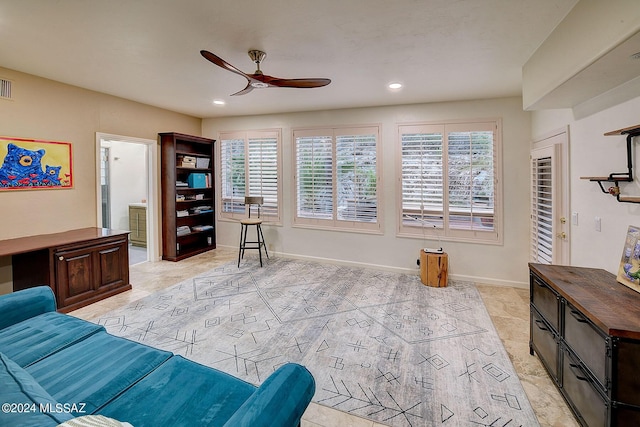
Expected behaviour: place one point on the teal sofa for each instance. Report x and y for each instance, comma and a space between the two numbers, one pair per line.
55, 367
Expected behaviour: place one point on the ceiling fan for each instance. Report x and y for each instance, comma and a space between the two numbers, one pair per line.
258, 79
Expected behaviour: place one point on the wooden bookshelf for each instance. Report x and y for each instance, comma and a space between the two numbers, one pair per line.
182, 197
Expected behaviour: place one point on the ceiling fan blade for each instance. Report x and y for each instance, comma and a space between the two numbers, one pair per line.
299, 83
222, 63
244, 91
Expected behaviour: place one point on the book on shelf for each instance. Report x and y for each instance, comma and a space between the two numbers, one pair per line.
183, 230
202, 227
183, 213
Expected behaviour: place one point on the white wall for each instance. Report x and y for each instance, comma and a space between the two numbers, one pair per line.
500, 264
128, 180
593, 154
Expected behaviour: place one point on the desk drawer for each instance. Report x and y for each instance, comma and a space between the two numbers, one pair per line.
587, 342
582, 392
545, 343
546, 301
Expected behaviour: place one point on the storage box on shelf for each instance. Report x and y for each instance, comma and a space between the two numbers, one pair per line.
187, 187
585, 328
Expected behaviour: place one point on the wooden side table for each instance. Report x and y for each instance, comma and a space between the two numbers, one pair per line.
433, 269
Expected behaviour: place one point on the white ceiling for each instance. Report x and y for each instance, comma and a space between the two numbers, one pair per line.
148, 50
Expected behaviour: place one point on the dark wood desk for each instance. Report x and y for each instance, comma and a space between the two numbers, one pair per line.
81, 266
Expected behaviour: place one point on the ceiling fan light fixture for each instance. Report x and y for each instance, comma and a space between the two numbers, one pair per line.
259, 85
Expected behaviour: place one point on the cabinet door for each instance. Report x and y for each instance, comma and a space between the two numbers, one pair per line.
88, 271
112, 270
546, 301
74, 275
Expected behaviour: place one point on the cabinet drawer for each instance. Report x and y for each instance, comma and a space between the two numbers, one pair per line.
582, 393
545, 343
624, 372
624, 415
588, 342
545, 300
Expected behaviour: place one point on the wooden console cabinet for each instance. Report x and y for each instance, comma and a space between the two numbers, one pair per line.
81, 266
585, 328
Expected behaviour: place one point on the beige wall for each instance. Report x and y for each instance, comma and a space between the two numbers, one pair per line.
503, 264
44, 109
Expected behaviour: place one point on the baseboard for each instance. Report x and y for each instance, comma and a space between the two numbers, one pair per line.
416, 271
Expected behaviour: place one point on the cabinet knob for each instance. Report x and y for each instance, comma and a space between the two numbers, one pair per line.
61, 258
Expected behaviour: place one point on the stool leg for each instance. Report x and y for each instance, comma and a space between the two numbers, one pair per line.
241, 244
260, 242
264, 244
244, 240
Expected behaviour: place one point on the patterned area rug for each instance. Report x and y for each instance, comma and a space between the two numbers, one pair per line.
380, 345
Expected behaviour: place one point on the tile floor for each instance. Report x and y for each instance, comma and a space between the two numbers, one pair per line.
508, 308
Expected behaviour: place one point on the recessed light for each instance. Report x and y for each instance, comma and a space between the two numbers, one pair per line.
395, 85
219, 102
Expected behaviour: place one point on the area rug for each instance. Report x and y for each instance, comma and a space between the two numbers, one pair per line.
380, 345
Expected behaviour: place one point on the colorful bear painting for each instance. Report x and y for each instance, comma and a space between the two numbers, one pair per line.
22, 168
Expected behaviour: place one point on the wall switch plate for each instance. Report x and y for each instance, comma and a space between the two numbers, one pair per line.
598, 222
574, 218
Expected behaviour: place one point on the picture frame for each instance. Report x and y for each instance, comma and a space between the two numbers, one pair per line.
29, 164
629, 270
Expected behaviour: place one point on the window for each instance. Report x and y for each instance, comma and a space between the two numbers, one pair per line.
336, 178
449, 184
250, 166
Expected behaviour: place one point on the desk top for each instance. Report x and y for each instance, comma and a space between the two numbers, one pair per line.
21, 245
613, 307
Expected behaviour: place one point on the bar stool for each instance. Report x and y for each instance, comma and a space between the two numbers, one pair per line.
244, 226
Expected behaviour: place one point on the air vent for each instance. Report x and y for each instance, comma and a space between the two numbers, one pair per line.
5, 89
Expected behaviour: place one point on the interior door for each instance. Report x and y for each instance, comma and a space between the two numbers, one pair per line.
550, 230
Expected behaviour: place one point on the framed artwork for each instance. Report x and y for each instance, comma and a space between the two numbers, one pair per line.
28, 164
629, 270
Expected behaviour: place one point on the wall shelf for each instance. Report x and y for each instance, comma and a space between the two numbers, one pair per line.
617, 177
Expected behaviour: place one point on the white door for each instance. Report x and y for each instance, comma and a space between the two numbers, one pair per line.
549, 200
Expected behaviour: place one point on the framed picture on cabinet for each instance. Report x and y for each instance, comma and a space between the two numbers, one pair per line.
629, 270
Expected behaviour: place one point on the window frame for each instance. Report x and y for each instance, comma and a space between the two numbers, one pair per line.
446, 232
334, 132
266, 214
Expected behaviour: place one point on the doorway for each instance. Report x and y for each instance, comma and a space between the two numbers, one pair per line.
126, 189
550, 231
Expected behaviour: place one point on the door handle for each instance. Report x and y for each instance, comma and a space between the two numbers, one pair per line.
562, 235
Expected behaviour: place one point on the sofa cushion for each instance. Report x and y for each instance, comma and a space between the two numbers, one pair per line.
35, 338
181, 393
29, 404
21, 305
95, 370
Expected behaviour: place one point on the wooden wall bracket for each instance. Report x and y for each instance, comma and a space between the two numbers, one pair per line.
617, 177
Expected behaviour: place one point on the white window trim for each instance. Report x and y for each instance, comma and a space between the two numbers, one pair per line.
335, 224
494, 237
246, 135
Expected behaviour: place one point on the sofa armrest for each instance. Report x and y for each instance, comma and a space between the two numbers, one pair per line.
22, 305
279, 402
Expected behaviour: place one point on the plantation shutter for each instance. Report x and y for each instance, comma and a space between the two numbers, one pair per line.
448, 181
542, 210
471, 179
232, 160
422, 177
314, 177
356, 175
263, 172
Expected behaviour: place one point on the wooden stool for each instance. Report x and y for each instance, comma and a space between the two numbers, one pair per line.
244, 226
258, 244
433, 269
